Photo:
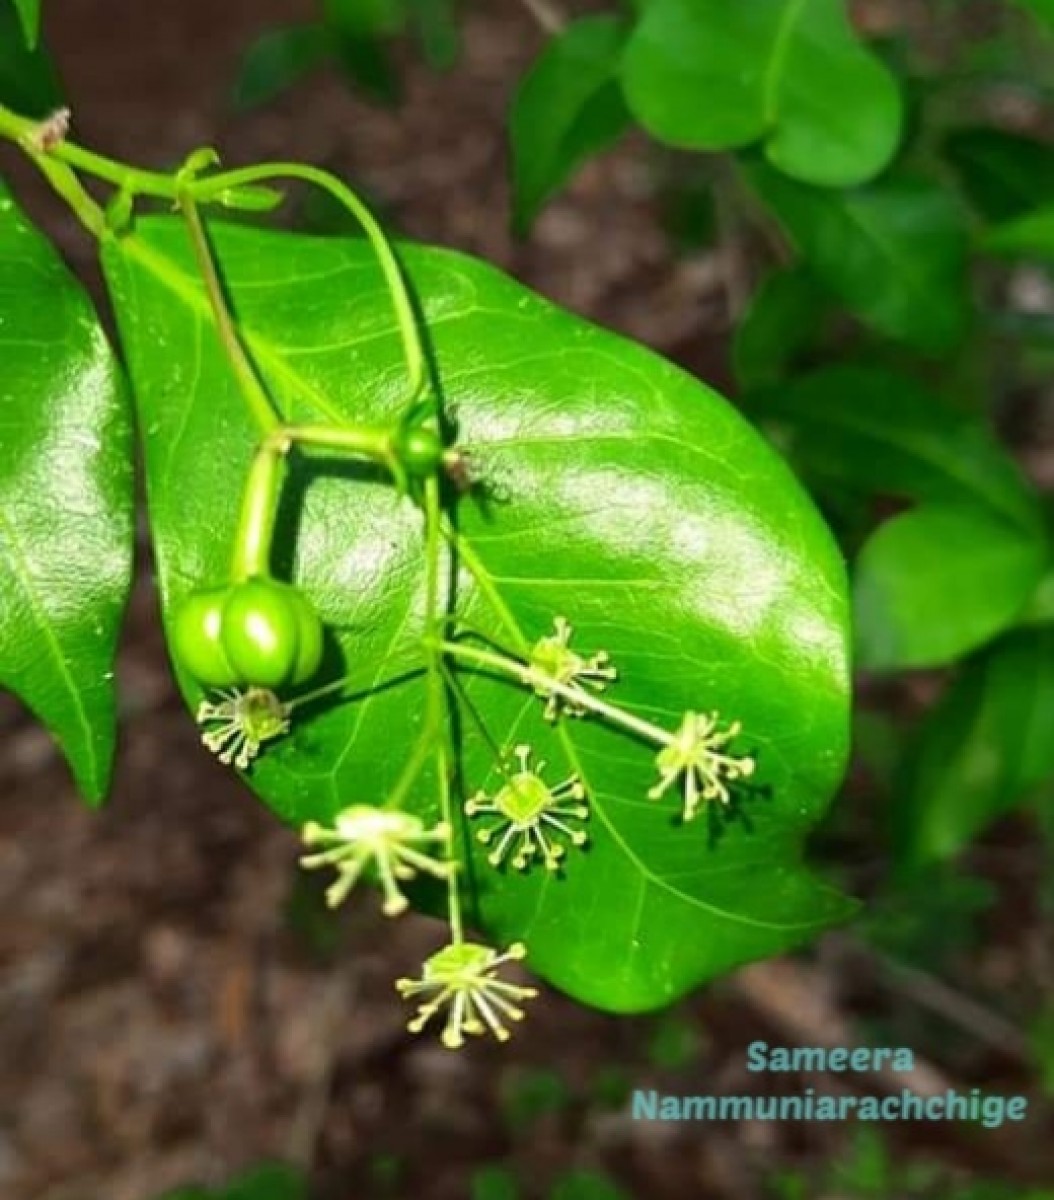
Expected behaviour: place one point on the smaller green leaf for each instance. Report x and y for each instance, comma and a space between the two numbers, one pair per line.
939, 581
895, 252
981, 750
567, 109
365, 17
29, 15
1029, 236
65, 501
783, 317
278, 59
710, 75
435, 22
268, 1182
494, 1182
876, 431
28, 80
1004, 175
1041, 10
587, 1185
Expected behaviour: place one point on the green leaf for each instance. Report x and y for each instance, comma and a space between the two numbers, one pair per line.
65, 501
435, 22
894, 252
269, 1182
876, 431
1042, 10
567, 109
625, 496
29, 15
983, 748
939, 581
785, 314
587, 1185
1031, 235
27, 78
278, 59
1004, 175
710, 75
494, 1183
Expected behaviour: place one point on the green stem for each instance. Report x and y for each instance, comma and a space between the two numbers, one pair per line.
546, 685
244, 372
369, 441
255, 533
137, 182
434, 626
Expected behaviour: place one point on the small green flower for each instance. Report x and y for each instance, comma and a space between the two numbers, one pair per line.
390, 839
462, 978
553, 659
696, 755
529, 813
237, 725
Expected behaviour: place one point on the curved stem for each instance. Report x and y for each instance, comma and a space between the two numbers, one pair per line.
136, 182
244, 372
410, 334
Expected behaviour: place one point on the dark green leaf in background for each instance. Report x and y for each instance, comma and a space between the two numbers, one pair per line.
785, 314
631, 500
29, 16
1004, 175
65, 501
879, 432
1027, 236
894, 252
939, 581
984, 747
1042, 10
27, 78
712, 75
567, 109
269, 1182
278, 59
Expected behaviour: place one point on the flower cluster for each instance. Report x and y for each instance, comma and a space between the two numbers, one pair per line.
462, 978
696, 756
553, 661
530, 814
239, 722
389, 841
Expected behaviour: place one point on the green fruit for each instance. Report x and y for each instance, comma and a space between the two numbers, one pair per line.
420, 450
196, 639
270, 633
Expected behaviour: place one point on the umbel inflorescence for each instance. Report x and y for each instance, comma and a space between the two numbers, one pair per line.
527, 821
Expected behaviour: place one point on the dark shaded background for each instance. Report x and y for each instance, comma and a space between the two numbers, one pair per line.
164, 1019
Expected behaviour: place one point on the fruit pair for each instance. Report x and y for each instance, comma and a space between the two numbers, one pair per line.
257, 633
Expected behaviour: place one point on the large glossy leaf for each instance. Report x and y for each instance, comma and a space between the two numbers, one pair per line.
939, 581
567, 109
983, 748
882, 433
711, 75
65, 501
894, 251
625, 496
